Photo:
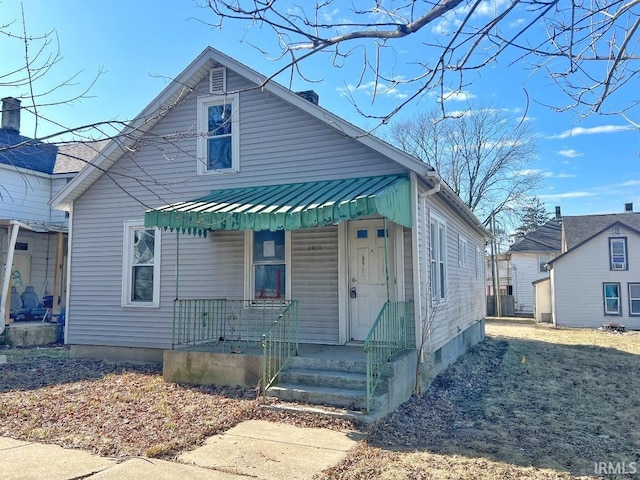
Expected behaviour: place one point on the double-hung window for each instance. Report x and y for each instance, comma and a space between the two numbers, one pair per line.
479, 261
462, 251
634, 299
438, 237
218, 134
269, 257
618, 253
612, 299
543, 259
141, 265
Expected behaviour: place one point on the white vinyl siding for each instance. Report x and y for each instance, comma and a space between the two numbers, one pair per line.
577, 284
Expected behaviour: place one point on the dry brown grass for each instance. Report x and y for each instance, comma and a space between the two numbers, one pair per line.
529, 402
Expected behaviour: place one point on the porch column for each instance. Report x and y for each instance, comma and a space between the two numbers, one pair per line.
4, 298
57, 278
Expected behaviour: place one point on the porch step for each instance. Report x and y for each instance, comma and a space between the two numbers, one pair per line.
335, 379
353, 399
336, 382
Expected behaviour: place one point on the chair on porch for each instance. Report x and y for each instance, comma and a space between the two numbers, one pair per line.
16, 303
32, 307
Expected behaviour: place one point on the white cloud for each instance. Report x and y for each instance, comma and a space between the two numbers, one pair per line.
458, 96
569, 153
533, 171
561, 196
565, 175
574, 132
630, 183
380, 88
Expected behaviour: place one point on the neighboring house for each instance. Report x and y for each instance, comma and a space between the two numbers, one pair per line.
230, 192
33, 236
528, 259
524, 263
596, 278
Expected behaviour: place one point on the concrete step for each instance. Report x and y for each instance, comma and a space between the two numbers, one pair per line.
324, 378
342, 365
337, 397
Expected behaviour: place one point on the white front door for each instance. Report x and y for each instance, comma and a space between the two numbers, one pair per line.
367, 274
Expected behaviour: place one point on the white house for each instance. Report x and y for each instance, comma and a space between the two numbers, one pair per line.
596, 279
33, 235
236, 212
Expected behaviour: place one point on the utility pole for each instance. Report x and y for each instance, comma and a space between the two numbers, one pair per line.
495, 267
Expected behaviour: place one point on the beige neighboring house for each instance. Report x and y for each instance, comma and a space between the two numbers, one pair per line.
596, 278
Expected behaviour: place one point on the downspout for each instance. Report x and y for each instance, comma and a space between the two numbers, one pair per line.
416, 276
14, 227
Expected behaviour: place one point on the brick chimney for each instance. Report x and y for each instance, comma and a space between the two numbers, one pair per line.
11, 114
628, 207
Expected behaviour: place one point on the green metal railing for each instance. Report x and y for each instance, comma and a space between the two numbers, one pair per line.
204, 321
390, 334
279, 343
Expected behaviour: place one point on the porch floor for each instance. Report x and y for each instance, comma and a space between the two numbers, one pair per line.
310, 350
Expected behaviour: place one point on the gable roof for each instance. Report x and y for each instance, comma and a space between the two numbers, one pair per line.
547, 238
19, 151
587, 238
73, 157
187, 81
579, 229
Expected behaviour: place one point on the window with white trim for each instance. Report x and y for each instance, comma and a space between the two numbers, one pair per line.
543, 259
438, 237
140, 265
268, 260
479, 260
634, 299
612, 299
618, 253
462, 251
218, 134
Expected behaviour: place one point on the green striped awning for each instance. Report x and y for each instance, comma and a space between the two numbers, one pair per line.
290, 207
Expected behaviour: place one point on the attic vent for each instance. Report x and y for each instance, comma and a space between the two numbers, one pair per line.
617, 231
217, 80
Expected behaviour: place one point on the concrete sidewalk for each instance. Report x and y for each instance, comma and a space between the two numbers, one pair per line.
255, 449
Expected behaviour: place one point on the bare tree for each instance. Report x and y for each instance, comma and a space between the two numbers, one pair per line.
482, 153
589, 49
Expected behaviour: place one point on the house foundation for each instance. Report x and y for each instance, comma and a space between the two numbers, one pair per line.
441, 358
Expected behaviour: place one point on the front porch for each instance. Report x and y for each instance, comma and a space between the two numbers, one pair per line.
333, 375
255, 345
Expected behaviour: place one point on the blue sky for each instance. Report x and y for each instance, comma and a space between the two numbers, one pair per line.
589, 165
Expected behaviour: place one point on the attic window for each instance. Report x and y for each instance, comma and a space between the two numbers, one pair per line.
218, 134
217, 80
617, 231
